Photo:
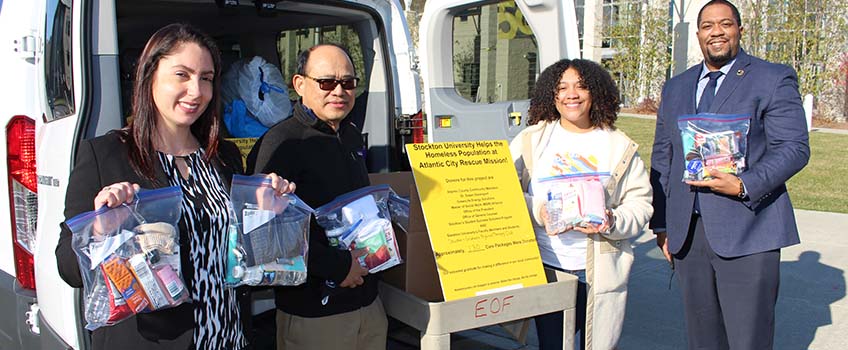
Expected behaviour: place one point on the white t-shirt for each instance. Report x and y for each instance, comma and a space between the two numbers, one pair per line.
569, 153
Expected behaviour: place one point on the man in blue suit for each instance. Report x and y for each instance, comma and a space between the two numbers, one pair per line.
724, 234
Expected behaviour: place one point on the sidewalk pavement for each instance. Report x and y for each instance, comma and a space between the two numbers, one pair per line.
812, 308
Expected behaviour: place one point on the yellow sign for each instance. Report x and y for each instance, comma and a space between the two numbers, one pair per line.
476, 216
244, 145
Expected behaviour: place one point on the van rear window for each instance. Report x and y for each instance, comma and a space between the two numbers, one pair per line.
58, 63
495, 53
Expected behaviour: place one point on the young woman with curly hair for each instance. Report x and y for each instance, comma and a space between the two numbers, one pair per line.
571, 132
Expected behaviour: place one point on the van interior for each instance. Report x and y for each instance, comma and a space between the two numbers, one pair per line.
244, 29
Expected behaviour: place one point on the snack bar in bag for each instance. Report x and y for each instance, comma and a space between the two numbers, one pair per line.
268, 240
129, 257
713, 141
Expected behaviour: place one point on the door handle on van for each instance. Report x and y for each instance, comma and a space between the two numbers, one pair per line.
26, 46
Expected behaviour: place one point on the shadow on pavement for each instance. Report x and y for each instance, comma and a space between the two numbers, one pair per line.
807, 288
654, 315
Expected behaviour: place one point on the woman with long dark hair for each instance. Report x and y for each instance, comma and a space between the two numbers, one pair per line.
172, 140
571, 134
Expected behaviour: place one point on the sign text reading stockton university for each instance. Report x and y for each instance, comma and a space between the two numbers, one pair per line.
476, 216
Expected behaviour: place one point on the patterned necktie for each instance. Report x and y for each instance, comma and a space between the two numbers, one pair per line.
709, 92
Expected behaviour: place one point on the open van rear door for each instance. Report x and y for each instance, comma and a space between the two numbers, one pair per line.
59, 91
480, 59
78, 71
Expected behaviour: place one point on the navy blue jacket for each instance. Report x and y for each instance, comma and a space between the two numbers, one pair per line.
778, 148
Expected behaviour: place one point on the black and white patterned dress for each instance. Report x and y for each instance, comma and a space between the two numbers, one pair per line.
205, 217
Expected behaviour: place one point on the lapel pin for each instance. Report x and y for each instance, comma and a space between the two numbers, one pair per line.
740, 72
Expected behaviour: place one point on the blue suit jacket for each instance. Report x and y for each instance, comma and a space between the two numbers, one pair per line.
778, 147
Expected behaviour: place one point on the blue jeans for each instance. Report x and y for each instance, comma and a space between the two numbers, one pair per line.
549, 326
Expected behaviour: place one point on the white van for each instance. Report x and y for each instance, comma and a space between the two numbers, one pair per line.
66, 73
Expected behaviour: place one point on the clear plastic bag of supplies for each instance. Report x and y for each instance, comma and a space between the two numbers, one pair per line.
129, 257
399, 210
267, 242
361, 220
574, 200
716, 141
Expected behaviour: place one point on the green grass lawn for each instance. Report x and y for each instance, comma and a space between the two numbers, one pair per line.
822, 185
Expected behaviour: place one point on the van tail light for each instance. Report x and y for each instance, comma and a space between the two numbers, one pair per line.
418, 128
23, 195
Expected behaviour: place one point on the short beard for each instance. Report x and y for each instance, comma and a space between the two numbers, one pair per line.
719, 60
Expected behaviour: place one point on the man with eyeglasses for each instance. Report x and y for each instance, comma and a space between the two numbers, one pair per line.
321, 151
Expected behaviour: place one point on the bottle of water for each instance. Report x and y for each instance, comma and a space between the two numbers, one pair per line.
256, 275
554, 209
97, 306
334, 235
251, 276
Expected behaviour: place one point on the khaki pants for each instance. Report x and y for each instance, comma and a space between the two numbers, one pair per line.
363, 329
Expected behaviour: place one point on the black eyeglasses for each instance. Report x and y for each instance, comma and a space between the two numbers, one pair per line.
330, 84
